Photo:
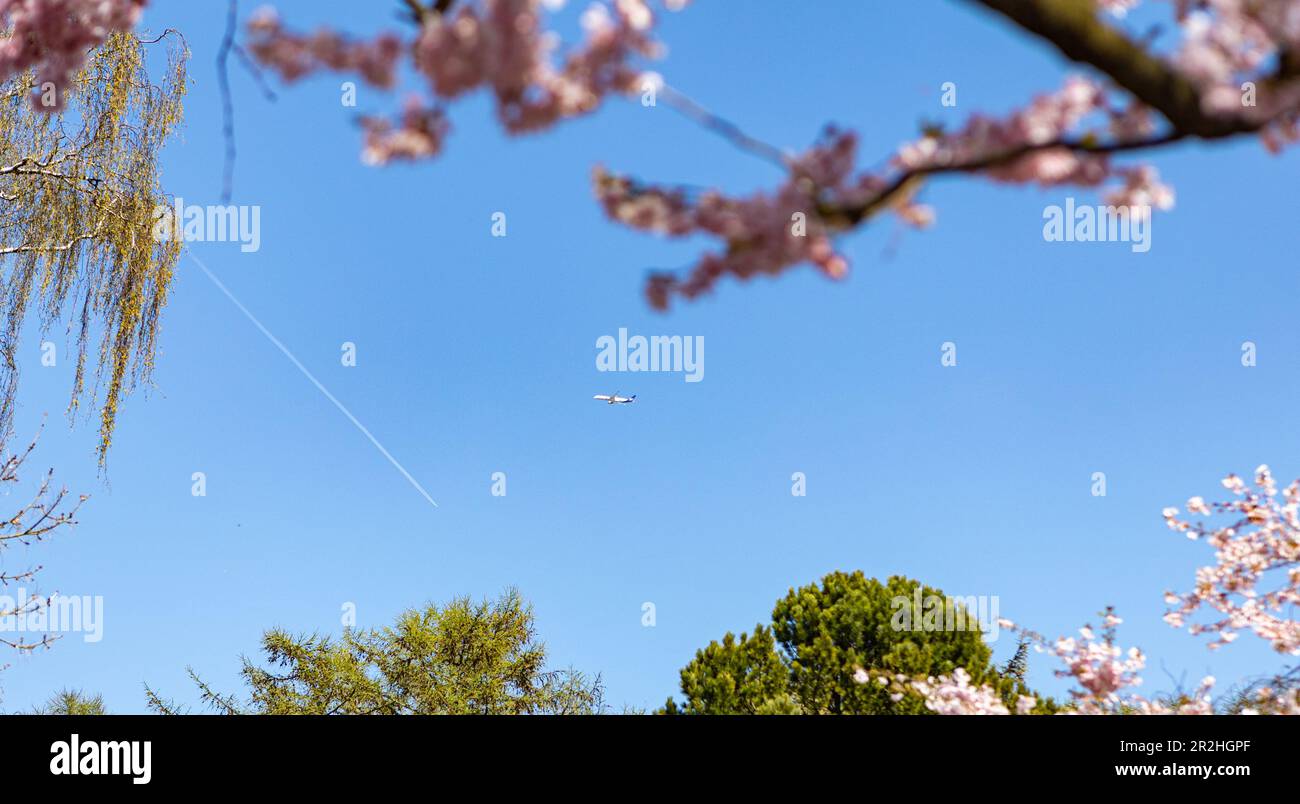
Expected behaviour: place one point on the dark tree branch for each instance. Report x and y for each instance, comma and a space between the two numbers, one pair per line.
905, 182
422, 14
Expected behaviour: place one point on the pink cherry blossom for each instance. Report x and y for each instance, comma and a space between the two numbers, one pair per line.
1045, 120
1104, 675
1254, 583
295, 57
954, 695
418, 135
1070, 137
54, 37
765, 233
501, 46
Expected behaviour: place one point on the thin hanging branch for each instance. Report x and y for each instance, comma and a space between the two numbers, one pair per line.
227, 106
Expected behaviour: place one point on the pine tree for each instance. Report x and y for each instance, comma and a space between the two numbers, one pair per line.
461, 658
821, 636
1018, 665
71, 702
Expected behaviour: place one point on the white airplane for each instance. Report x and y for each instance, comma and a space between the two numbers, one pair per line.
615, 399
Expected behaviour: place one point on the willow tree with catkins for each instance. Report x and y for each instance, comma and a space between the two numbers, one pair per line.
79, 182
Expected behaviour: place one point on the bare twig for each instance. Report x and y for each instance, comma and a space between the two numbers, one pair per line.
32, 523
256, 72
166, 32
723, 127
227, 107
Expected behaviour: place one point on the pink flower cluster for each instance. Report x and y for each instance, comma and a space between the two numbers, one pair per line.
1047, 119
954, 695
1100, 669
1262, 537
1103, 674
55, 36
503, 47
946, 694
497, 45
1260, 544
765, 233
1227, 40
1230, 45
1035, 130
1141, 187
295, 57
418, 135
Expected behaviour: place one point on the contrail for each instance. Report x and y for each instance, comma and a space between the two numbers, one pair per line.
311, 377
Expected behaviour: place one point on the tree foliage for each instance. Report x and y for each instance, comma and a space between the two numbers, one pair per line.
1269, 695
821, 637
80, 189
1018, 664
461, 658
739, 675
72, 702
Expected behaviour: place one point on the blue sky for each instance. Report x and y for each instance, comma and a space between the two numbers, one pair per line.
477, 355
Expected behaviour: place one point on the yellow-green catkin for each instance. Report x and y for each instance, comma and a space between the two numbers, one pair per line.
79, 190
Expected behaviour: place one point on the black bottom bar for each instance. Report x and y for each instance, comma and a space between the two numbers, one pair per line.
305, 753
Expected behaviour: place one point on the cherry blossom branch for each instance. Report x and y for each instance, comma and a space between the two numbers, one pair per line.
502, 46
1102, 672
1073, 28
1262, 542
1262, 537
850, 216
767, 233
